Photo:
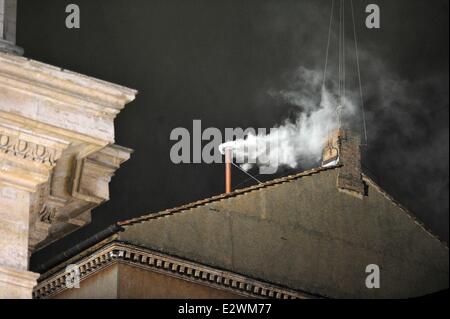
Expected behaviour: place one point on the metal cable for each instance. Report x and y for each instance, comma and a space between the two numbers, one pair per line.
359, 77
247, 173
328, 46
343, 52
246, 180
340, 51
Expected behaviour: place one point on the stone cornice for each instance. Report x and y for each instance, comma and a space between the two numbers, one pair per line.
57, 142
53, 82
119, 252
54, 124
63, 102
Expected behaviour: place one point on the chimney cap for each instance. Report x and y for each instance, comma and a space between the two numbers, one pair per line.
230, 145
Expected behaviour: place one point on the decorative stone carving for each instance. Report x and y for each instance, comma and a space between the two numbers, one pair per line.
93, 173
44, 213
27, 157
48, 214
87, 187
28, 150
57, 152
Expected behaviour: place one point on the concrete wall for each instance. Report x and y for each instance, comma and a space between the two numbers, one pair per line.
306, 235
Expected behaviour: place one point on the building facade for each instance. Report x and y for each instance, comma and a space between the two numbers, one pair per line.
57, 153
309, 235
314, 234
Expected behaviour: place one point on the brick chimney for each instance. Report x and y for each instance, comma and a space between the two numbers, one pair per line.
343, 148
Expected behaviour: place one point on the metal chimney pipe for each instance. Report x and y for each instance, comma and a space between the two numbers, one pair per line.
228, 161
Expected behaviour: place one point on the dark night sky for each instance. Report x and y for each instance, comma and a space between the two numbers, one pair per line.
217, 61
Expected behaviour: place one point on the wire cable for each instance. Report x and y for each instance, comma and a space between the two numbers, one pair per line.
359, 77
340, 52
246, 180
328, 46
330, 25
343, 53
253, 177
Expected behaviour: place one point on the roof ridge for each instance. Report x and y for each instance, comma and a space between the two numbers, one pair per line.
408, 212
235, 193
277, 181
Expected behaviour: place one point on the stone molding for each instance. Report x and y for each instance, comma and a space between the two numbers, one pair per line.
22, 148
57, 142
16, 283
81, 106
93, 173
21, 278
54, 82
27, 158
119, 252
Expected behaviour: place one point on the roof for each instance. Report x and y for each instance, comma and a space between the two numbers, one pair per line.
223, 196
116, 228
274, 182
303, 220
373, 229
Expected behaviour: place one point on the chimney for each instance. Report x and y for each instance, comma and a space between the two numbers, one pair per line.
330, 154
228, 159
343, 148
8, 14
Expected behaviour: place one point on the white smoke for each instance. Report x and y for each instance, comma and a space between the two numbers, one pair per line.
301, 141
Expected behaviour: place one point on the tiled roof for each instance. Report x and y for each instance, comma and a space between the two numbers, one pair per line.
411, 215
235, 193
271, 183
